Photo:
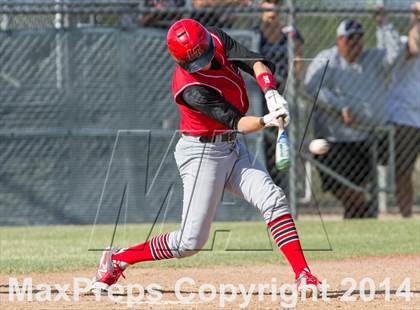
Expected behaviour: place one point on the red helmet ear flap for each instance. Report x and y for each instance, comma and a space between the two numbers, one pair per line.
190, 44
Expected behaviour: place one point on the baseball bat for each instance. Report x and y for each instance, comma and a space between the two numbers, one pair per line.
282, 158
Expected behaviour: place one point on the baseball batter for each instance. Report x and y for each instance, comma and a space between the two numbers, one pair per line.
210, 92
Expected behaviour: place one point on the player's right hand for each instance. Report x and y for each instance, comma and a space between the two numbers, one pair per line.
274, 119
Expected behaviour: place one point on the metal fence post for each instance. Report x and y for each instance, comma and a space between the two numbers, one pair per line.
291, 98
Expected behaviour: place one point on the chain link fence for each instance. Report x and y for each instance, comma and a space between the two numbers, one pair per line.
75, 72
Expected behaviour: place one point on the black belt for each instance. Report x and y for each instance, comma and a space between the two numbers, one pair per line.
224, 137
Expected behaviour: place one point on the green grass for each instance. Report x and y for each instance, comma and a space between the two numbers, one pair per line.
65, 248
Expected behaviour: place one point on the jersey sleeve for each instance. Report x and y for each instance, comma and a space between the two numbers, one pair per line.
239, 54
209, 102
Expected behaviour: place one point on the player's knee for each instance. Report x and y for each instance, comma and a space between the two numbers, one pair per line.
275, 206
192, 245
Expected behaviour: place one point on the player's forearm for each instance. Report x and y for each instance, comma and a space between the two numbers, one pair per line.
264, 76
413, 44
259, 68
250, 124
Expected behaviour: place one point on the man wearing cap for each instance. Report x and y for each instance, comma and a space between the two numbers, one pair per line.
350, 100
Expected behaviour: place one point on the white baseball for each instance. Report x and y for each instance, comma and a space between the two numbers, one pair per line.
319, 146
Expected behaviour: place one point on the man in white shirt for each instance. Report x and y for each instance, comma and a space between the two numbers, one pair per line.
352, 96
403, 107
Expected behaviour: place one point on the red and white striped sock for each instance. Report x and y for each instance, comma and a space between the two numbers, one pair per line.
285, 236
156, 248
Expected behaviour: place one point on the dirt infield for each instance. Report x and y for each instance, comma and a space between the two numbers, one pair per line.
236, 282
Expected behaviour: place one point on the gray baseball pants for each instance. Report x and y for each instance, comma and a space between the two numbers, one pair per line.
206, 170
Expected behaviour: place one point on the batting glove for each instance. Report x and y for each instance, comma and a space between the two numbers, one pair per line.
275, 102
273, 119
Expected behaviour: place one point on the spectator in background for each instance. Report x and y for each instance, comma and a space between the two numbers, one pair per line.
161, 19
274, 36
352, 95
403, 106
218, 18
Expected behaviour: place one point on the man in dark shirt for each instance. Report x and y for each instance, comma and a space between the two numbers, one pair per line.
274, 40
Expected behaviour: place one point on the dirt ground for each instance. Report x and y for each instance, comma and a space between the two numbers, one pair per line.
229, 287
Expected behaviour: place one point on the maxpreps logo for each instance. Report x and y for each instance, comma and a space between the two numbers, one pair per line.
188, 291
194, 53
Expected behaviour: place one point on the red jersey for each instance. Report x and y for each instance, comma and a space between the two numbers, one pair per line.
227, 81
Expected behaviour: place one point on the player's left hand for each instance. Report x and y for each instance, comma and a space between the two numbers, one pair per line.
273, 119
275, 102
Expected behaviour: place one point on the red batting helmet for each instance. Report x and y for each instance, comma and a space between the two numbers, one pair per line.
190, 44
